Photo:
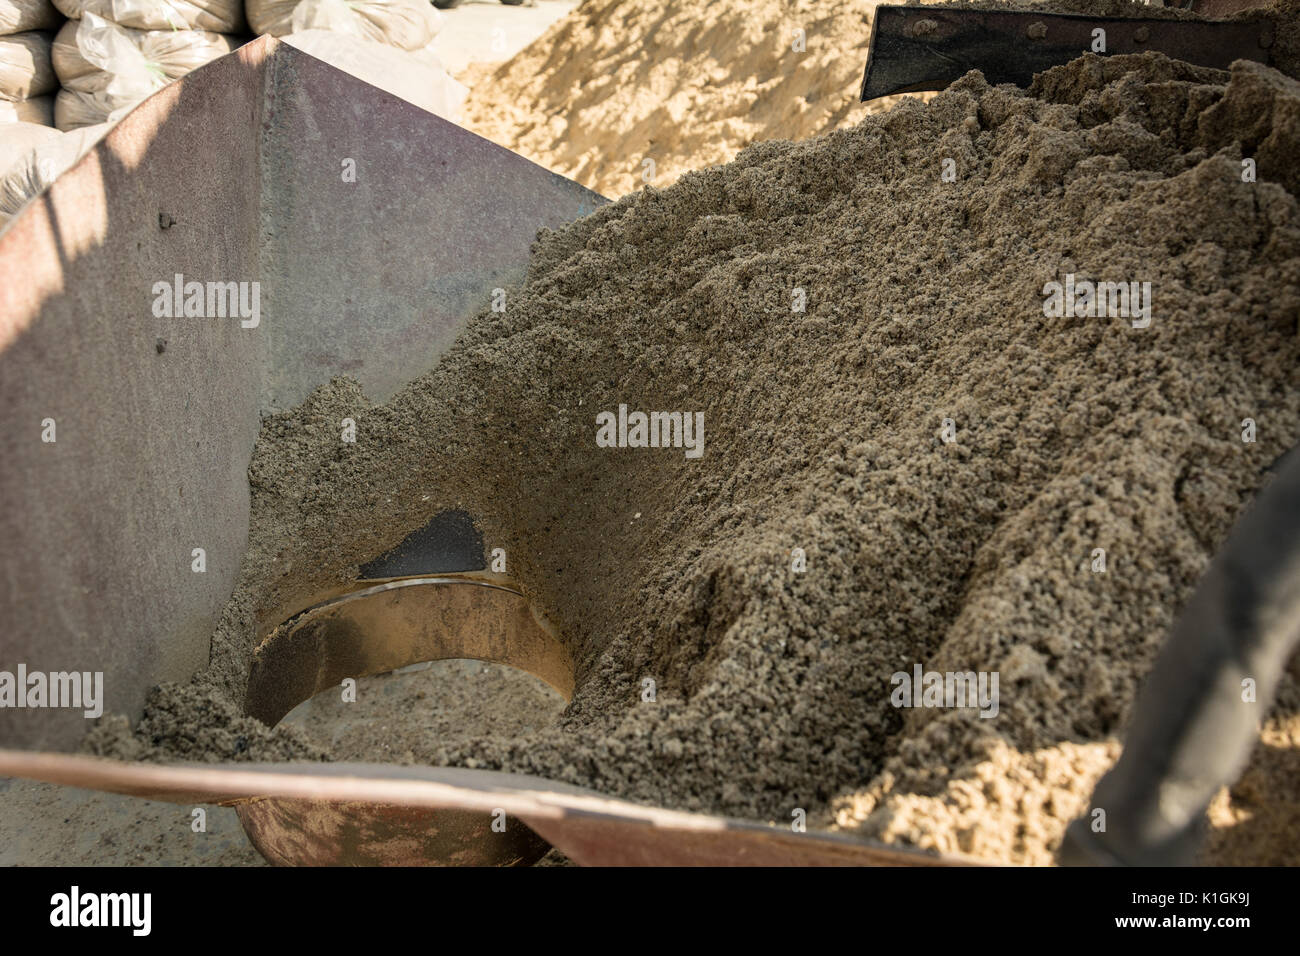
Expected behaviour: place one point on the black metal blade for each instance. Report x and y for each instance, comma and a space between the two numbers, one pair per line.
927, 48
448, 543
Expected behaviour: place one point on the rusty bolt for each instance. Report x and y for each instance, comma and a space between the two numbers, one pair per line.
924, 27
1037, 30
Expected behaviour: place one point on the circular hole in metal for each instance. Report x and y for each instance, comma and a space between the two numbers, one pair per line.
376, 628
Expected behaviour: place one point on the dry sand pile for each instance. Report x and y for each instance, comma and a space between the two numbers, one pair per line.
685, 84
824, 431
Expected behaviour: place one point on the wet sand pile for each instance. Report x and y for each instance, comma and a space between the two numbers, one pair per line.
831, 430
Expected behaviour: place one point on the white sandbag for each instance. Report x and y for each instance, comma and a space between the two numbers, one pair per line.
218, 16
107, 69
172, 53
17, 16
32, 174
19, 139
39, 109
75, 109
408, 24
25, 69
416, 77
129, 78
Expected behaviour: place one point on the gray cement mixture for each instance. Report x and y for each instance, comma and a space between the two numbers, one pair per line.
395, 717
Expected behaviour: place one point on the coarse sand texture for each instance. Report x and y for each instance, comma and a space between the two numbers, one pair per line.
949, 458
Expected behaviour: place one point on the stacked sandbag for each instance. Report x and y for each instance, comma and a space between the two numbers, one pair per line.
106, 68
417, 77
25, 69
405, 24
21, 138
39, 109
34, 156
19, 16
26, 77
385, 43
214, 16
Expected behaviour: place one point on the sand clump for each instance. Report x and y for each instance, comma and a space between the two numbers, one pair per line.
824, 431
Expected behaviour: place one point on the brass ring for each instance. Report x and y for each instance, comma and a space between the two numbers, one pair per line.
373, 629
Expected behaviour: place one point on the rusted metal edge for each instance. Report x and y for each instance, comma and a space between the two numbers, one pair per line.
591, 829
927, 48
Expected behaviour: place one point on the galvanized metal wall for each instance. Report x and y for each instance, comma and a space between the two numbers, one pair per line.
234, 173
